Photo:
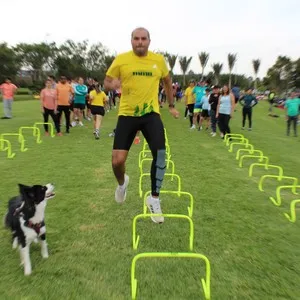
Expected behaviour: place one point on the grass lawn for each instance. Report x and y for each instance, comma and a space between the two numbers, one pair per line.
253, 249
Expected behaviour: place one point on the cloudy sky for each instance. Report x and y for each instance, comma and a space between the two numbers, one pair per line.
253, 29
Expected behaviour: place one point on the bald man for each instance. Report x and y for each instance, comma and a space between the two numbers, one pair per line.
138, 73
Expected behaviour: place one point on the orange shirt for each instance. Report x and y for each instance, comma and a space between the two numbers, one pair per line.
64, 92
8, 90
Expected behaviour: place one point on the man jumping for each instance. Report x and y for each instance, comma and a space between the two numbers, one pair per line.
138, 72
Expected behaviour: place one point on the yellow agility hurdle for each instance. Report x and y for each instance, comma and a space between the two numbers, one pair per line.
252, 152
235, 138
167, 165
136, 238
52, 134
205, 282
242, 144
278, 201
7, 148
190, 208
143, 154
166, 174
21, 140
292, 217
259, 157
266, 167
35, 130
278, 177
231, 135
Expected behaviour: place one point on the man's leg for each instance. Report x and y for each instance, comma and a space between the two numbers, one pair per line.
244, 117
289, 125
153, 131
191, 110
9, 106
6, 108
186, 112
124, 136
250, 117
295, 125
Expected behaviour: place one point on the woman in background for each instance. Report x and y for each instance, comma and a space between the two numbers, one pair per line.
225, 110
48, 99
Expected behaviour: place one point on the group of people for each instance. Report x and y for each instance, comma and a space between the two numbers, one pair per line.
216, 106
75, 100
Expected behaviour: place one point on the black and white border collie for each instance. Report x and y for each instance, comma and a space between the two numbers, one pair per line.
25, 218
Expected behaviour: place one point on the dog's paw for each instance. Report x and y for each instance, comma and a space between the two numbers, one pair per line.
27, 273
15, 243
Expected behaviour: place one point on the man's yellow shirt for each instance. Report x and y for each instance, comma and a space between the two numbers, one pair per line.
189, 95
140, 78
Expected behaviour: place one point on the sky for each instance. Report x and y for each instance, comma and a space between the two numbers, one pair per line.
256, 29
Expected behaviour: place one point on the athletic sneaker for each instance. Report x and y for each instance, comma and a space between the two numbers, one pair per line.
97, 135
73, 124
80, 124
120, 194
213, 134
193, 127
249, 129
243, 128
154, 207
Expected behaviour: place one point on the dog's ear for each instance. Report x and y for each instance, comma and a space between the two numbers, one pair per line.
22, 188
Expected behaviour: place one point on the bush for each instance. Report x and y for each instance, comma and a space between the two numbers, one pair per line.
24, 91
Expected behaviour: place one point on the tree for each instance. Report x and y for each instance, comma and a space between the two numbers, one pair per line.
217, 68
231, 61
171, 58
256, 65
184, 63
9, 63
203, 58
34, 57
95, 58
279, 76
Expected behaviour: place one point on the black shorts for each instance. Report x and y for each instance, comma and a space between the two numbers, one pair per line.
191, 108
79, 105
150, 125
97, 110
204, 113
71, 106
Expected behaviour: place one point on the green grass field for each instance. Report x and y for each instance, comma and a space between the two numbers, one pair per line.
253, 249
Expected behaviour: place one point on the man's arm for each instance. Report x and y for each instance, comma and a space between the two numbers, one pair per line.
111, 84
168, 89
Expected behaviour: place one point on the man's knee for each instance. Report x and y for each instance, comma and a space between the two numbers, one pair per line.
119, 157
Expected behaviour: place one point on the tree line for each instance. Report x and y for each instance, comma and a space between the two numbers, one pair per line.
73, 59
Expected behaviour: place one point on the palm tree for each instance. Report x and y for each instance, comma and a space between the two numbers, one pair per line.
217, 68
203, 57
184, 65
171, 58
231, 61
256, 65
